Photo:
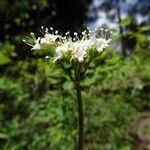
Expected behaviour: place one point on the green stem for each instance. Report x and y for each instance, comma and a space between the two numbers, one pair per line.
80, 115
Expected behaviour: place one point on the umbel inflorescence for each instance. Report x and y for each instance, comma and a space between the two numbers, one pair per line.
77, 47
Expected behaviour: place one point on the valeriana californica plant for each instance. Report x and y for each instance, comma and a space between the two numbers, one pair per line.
77, 52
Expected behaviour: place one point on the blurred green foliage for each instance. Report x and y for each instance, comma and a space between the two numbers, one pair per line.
37, 101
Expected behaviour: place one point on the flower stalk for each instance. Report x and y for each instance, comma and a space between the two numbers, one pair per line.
80, 116
77, 85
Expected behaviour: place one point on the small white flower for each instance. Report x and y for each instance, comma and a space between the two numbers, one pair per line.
79, 50
43, 41
98, 43
80, 54
51, 37
37, 44
62, 49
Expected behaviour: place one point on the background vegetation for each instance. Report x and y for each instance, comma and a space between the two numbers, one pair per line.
37, 103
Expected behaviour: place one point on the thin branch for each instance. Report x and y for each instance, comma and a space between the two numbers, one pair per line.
66, 71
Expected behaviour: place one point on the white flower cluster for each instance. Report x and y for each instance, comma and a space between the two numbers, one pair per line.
77, 47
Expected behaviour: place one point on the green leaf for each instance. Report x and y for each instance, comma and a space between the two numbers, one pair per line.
3, 136
68, 85
125, 21
144, 28
113, 60
4, 59
140, 38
